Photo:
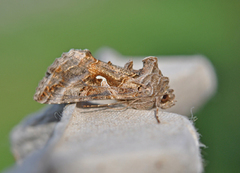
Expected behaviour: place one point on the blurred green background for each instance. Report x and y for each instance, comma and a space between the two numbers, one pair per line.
34, 33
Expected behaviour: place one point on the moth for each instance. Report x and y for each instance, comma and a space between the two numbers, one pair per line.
77, 76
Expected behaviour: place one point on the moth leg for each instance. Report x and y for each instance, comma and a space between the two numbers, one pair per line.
156, 115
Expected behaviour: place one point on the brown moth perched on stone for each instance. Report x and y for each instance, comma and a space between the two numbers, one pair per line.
77, 76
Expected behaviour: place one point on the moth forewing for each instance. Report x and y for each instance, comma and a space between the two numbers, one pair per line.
77, 76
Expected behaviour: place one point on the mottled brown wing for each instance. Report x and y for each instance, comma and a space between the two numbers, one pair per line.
73, 78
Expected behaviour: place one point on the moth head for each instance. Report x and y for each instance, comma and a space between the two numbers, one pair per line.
167, 99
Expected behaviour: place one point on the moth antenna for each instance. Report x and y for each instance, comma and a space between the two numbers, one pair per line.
119, 109
102, 105
133, 101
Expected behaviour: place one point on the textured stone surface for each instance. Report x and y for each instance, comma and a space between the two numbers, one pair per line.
106, 140
34, 131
